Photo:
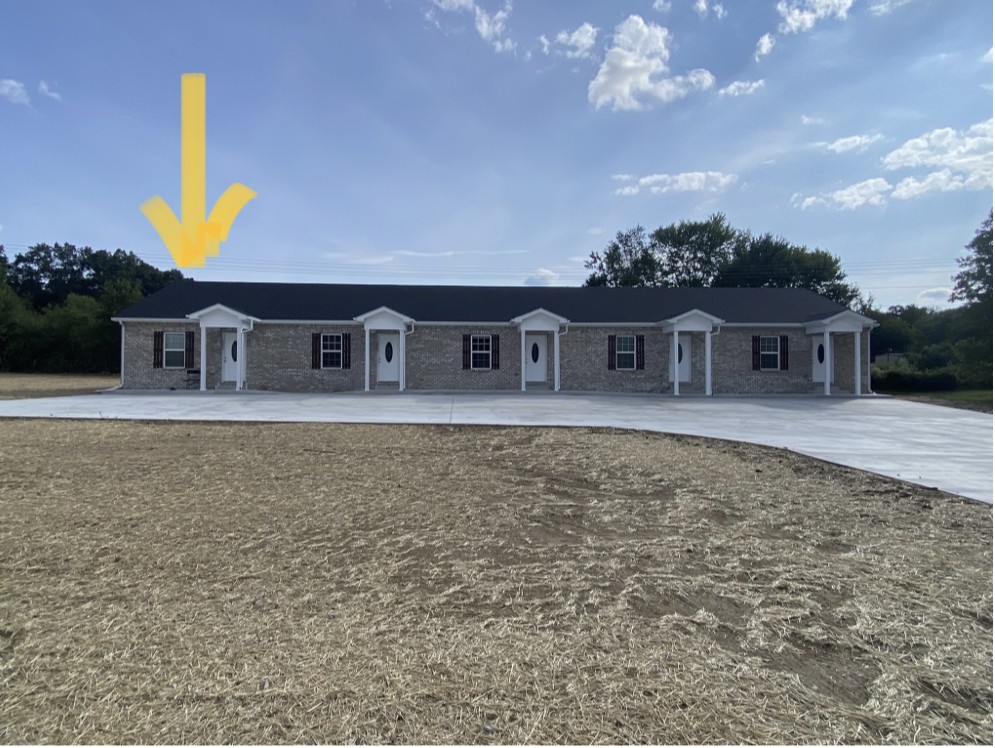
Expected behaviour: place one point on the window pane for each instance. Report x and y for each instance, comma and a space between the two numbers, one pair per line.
625, 360
174, 359
769, 345
331, 360
625, 344
173, 340
331, 342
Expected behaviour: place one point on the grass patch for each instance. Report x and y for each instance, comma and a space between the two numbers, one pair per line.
276, 583
980, 400
20, 386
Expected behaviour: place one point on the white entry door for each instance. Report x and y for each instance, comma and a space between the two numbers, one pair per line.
535, 358
389, 357
229, 357
683, 358
819, 359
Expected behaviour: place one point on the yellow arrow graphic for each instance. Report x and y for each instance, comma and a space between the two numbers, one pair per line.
198, 235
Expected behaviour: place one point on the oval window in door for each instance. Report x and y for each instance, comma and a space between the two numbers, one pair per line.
388, 352
821, 354
535, 353
234, 350
680, 353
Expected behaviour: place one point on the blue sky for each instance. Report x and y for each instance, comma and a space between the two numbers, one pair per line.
500, 143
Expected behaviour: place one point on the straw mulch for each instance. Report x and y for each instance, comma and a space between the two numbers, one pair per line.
248, 583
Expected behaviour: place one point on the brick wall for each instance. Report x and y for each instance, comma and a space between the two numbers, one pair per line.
732, 363
279, 358
435, 359
584, 361
138, 373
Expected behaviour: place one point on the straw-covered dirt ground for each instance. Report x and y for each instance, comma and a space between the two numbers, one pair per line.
273, 583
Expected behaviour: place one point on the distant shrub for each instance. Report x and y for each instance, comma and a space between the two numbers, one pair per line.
907, 380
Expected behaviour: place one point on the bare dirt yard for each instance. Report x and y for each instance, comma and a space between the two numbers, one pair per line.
17, 386
275, 583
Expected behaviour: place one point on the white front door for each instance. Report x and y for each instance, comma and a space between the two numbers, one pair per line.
389, 357
535, 358
819, 359
229, 357
683, 358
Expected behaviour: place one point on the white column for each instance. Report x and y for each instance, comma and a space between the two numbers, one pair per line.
401, 381
856, 364
708, 363
240, 349
673, 356
828, 374
521, 357
366, 361
203, 357
556, 361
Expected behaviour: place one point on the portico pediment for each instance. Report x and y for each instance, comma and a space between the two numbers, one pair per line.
694, 320
384, 318
845, 321
539, 320
219, 315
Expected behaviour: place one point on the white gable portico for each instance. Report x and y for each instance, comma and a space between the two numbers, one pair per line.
221, 316
693, 321
394, 328
844, 322
533, 328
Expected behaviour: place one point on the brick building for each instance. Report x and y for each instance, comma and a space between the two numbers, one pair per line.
333, 338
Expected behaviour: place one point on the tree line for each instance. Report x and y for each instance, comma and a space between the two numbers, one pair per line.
56, 304
938, 349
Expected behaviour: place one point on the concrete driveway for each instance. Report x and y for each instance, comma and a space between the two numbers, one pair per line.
926, 444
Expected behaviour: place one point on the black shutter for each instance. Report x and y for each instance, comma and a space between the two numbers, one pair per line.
640, 351
157, 349
756, 353
316, 350
495, 351
466, 351
611, 353
346, 350
188, 350
784, 353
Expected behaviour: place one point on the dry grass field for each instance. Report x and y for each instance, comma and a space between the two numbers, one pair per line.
274, 583
16, 386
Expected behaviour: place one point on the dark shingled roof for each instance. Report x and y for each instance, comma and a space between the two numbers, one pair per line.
326, 302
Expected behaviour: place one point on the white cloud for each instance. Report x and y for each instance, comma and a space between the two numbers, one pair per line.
45, 90
490, 26
967, 154
764, 45
14, 92
545, 44
798, 200
806, 120
633, 68
661, 6
859, 143
883, 7
933, 297
939, 181
742, 88
593, 231
701, 8
629, 189
623, 177
689, 181
542, 277
988, 56
802, 15
869, 192
580, 41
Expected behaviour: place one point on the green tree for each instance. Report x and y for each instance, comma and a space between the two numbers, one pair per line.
628, 260
973, 283
771, 261
3, 265
693, 253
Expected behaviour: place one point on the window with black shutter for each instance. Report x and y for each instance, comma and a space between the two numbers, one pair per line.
157, 348
316, 350
611, 353
784, 353
640, 352
756, 353
188, 363
346, 350
495, 351
466, 351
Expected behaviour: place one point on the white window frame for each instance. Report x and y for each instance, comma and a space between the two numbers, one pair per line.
167, 349
619, 352
329, 339
776, 353
486, 348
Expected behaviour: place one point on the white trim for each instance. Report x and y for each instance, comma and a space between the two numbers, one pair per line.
385, 310
203, 360
221, 308
763, 353
856, 365
537, 312
490, 353
321, 350
122, 356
